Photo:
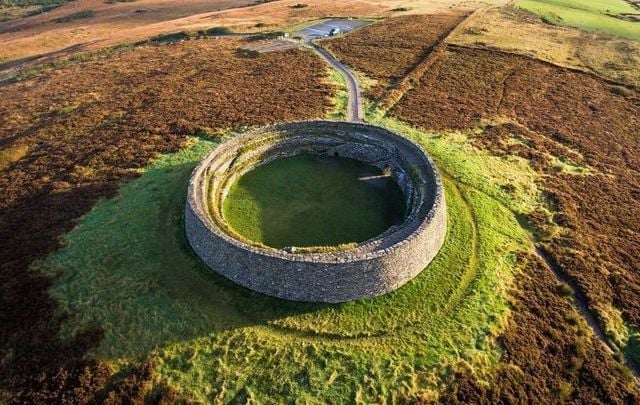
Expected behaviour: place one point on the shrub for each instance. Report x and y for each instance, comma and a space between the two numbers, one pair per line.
564, 391
68, 109
564, 289
39, 6
76, 16
215, 31
266, 35
173, 37
572, 318
299, 5
474, 31
246, 53
12, 154
621, 90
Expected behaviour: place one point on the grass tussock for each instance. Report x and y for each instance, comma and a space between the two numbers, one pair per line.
12, 154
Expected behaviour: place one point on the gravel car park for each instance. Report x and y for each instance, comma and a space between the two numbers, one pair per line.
331, 27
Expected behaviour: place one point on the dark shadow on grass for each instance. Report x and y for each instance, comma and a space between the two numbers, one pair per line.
128, 269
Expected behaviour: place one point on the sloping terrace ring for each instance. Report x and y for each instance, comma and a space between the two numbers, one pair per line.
373, 267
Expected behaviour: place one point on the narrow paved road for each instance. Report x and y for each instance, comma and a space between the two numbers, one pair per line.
355, 110
355, 114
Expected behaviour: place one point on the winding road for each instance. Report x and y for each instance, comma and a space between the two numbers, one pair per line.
355, 109
355, 113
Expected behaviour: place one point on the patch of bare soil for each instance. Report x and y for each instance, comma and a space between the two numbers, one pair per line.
388, 50
87, 128
576, 117
54, 30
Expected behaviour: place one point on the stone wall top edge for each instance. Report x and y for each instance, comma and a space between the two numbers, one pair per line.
350, 255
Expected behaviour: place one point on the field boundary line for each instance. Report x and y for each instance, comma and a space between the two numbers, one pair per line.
395, 94
580, 303
574, 69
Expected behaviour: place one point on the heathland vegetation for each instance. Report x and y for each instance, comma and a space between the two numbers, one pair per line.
520, 100
486, 95
18, 8
70, 137
105, 300
400, 43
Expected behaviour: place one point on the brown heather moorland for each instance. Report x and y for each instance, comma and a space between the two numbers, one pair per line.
548, 354
71, 137
388, 50
536, 110
80, 132
117, 22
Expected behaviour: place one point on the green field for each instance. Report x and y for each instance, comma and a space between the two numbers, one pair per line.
128, 268
589, 15
308, 200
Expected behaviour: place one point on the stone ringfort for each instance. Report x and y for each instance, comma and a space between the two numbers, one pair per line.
328, 274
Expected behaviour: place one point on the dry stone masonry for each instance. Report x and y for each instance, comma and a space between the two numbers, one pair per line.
371, 268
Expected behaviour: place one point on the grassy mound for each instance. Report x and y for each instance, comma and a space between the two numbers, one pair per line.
128, 268
308, 200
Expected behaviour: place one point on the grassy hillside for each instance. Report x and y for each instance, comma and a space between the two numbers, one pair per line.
590, 15
516, 30
128, 268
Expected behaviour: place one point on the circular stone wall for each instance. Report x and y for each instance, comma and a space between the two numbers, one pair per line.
329, 274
